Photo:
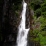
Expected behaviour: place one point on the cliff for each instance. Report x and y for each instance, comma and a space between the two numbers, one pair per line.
10, 17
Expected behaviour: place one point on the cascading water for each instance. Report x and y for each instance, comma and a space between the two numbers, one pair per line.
22, 33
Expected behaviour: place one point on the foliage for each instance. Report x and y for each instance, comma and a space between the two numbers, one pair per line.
42, 39
39, 7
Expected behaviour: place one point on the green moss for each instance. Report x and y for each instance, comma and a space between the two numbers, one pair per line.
42, 39
36, 39
43, 33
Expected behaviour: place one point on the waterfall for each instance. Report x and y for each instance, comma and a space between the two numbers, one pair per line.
23, 32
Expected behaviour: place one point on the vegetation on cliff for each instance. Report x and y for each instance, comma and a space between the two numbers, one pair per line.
38, 34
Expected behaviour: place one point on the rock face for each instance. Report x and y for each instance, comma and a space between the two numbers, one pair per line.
29, 24
27, 18
29, 15
10, 22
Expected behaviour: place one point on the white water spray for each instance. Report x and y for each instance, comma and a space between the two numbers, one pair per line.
23, 32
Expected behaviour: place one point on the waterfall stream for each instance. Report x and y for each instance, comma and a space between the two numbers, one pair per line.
23, 32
